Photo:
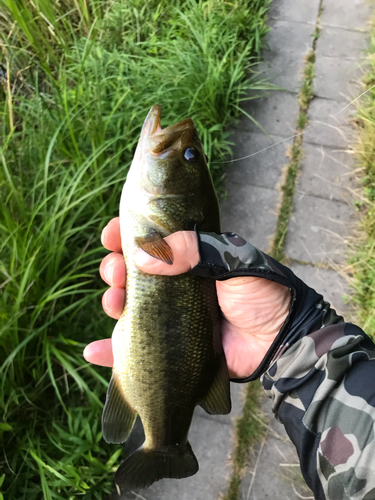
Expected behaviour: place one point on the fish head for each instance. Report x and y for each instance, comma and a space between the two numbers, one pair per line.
169, 160
170, 167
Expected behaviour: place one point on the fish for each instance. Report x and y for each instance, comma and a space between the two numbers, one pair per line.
168, 354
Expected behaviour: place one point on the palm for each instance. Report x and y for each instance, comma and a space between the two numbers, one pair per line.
254, 310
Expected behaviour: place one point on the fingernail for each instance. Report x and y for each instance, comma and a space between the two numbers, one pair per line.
86, 353
102, 235
108, 272
104, 301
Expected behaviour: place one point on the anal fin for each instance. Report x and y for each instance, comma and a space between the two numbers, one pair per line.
217, 400
118, 418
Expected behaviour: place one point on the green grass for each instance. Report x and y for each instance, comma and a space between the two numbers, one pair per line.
77, 82
307, 89
363, 263
286, 206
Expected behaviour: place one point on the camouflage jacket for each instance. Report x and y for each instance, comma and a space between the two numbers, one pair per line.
319, 372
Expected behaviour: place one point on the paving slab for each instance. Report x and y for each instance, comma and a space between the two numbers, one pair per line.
273, 471
331, 284
339, 42
322, 215
352, 15
318, 230
251, 213
283, 62
326, 173
329, 123
265, 168
276, 113
337, 78
285, 10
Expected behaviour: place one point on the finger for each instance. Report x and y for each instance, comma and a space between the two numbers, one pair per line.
113, 302
184, 246
99, 352
111, 238
113, 270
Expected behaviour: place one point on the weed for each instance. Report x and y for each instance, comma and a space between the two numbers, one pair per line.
79, 77
302, 120
362, 264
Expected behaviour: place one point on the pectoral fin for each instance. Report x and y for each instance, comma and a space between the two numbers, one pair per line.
118, 418
156, 246
217, 400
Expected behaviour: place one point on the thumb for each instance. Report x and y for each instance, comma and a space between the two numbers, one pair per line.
184, 246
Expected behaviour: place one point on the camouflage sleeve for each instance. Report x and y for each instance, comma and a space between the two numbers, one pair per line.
319, 372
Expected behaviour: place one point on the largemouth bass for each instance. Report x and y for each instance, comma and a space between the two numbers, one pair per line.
167, 349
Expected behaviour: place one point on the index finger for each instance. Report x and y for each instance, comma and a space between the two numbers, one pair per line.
111, 237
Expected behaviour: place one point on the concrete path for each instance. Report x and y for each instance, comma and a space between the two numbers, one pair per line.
321, 221
323, 211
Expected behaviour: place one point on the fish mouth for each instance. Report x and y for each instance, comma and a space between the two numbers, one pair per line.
162, 142
151, 126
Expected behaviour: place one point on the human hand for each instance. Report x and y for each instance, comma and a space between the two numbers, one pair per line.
254, 309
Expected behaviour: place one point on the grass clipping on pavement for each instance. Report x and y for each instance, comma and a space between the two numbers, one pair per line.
78, 78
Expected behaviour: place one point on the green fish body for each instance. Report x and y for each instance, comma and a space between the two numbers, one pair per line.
168, 356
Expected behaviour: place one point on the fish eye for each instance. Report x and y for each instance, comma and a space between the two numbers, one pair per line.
191, 154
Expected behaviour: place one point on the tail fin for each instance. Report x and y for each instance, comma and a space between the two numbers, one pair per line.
144, 466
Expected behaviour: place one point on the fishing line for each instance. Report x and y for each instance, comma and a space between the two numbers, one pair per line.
295, 135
